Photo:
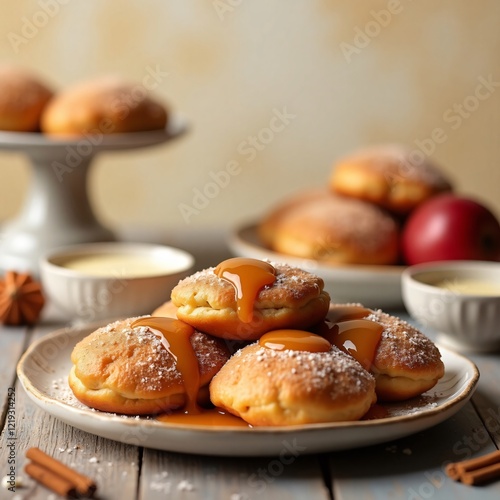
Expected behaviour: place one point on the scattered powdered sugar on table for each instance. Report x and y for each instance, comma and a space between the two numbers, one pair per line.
160, 484
185, 485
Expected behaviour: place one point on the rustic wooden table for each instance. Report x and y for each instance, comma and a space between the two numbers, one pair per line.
410, 468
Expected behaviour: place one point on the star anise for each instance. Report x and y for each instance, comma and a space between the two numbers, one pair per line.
21, 299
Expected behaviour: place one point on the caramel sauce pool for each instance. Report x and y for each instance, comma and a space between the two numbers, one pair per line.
347, 312
214, 417
295, 340
248, 277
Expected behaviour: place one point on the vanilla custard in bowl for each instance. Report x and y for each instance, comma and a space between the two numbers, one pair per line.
122, 264
470, 286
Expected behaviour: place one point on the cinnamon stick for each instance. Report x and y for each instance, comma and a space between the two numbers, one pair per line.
52, 481
482, 475
452, 471
83, 484
476, 463
476, 470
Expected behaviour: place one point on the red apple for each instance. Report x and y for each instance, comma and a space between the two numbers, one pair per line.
451, 227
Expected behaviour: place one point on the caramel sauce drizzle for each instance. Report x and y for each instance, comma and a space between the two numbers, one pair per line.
295, 340
176, 338
346, 312
248, 277
358, 338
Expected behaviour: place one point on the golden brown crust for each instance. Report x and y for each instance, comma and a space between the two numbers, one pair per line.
106, 105
390, 176
22, 100
407, 363
208, 303
270, 223
128, 370
332, 229
268, 387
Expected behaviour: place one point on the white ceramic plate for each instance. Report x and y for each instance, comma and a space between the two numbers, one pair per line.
44, 367
373, 286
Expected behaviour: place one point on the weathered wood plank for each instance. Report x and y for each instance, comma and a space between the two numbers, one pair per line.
181, 476
12, 340
413, 467
113, 465
486, 399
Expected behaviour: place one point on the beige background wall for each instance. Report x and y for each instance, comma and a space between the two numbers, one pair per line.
347, 74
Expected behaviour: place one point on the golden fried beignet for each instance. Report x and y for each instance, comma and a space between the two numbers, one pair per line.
295, 299
332, 229
106, 105
268, 387
404, 362
128, 370
271, 222
22, 100
391, 176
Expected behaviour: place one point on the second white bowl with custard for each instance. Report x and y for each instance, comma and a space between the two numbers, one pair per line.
458, 299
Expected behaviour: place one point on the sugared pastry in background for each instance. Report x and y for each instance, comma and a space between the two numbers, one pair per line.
404, 362
391, 176
292, 377
270, 223
142, 366
107, 105
332, 229
241, 299
22, 99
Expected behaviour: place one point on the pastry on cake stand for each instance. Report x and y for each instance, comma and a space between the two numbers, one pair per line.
57, 210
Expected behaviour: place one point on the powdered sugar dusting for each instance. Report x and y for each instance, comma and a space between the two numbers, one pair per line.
339, 220
397, 162
403, 343
291, 283
315, 370
136, 361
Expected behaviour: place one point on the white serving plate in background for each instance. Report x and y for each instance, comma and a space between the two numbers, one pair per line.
373, 286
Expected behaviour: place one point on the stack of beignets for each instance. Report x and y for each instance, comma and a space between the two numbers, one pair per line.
356, 218
128, 370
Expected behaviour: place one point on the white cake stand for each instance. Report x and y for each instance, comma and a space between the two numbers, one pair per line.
57, 211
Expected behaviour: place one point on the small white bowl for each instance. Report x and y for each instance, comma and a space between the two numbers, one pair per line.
116, 291
463, 320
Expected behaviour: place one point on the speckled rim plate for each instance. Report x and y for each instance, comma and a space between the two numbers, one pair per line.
374, 286
48, 360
